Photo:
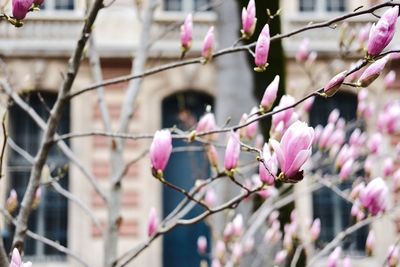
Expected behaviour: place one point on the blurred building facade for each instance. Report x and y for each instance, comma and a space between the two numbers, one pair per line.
36, 55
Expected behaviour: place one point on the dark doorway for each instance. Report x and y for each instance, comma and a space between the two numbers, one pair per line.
184, 168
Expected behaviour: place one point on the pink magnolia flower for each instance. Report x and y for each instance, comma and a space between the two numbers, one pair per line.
249, 20
364, 33
202, 244
280, 257
268, 176
304, 51
283, 119
315, 229
16, 260
220, 249
212, 156
268, 192
370, 243
232, 152
333, 259
237, 225
347, 262
270, 94
393, 256
20, 8
356, 211
355, 192
237, 253
208, 44
382, 32
216, 263
160, 151
334, 116
252, 128
206, 123
390, 79
388, 167
326, 135
307, 105
374, 143
345, 154
152, 222
187, 33
334, 84
389, 119
374, 196
293, 151
210, 197
372, 72
346, 169
262, 49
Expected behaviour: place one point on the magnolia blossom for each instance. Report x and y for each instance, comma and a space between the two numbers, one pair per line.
355, 192
220, 249
304, 51
375, 196
270, 94
315, 229
269, 168
393, 256
160, 150
20, 8
152, 222
237, 225
346, 169
212, 155
389, 119
370, 243
326, 135
334, 84
187, 33
202, 244
232, 152
364, 33
374, 143
206, 123
210, 197
280, 257
333, 259
249, 20
262, 49
388, 167
347, 262
382, 32
283, 119
293, 151
372, 72
208, 43
390, 79
16, 260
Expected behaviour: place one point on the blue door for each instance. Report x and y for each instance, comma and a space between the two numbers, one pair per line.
184, 168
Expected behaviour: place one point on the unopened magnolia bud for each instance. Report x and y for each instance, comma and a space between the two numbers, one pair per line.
12, 201
152, 222
232, 152
370, 243
187, 33
212, 156
372, 72
202, 244
270, 94
20, 8
160, 151
208, 44
262, 49
249, 20
334, 84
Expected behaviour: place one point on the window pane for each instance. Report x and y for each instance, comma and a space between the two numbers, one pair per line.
333, 211
307, 5
50, 218
173, 5
64, 4
202, 5
335, 5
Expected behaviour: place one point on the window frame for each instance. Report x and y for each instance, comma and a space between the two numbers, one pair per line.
321, 8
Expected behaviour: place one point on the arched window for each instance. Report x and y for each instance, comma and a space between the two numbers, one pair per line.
50, 218
333, 211
184, 168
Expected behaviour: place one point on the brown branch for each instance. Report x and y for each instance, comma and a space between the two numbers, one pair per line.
51, 127
3, 148
230, 50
